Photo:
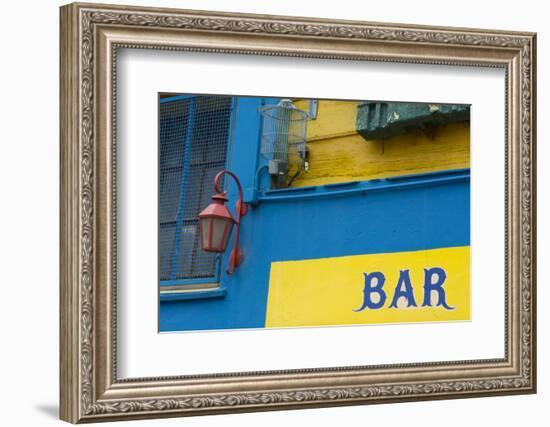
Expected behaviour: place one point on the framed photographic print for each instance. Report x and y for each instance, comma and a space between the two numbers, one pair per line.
310, 171
266, 212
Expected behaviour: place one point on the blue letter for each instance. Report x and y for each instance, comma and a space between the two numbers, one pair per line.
437, 286
369, 289
405, 279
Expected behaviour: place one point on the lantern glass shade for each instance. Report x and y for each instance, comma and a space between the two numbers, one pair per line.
215, 233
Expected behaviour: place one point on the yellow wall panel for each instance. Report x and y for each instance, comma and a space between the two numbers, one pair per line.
338, 154
327, 291
334, 118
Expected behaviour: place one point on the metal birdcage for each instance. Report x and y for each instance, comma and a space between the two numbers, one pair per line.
284, 138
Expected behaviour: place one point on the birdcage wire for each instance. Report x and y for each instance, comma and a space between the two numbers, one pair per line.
284, 131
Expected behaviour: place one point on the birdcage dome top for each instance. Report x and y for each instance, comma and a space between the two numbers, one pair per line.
284, 106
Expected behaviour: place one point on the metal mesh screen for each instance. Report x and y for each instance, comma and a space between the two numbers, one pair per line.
194, 135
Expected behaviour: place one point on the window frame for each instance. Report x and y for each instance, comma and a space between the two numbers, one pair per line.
191, 288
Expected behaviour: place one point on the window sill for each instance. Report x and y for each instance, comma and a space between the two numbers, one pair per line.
192, 294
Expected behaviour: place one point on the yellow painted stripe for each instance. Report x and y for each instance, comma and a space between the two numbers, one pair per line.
327, 291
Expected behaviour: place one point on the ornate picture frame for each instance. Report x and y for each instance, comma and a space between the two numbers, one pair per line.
91, 34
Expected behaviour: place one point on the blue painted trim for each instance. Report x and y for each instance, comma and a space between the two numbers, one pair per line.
263, 167
428, 174
313, 107
176, 98
251, 193
178, 282
231, 136
183, 186
228, 157
365, 187
246, 144
194, 295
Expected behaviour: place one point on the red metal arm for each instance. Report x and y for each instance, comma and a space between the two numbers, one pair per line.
236, 256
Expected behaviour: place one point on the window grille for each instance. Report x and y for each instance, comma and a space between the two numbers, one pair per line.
194, 133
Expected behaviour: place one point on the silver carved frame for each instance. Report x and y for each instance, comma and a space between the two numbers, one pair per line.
90, 36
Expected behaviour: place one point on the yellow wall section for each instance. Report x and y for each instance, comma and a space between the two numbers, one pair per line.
337, 153
326, 291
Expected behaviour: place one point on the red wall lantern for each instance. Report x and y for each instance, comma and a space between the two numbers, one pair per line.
216, 223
